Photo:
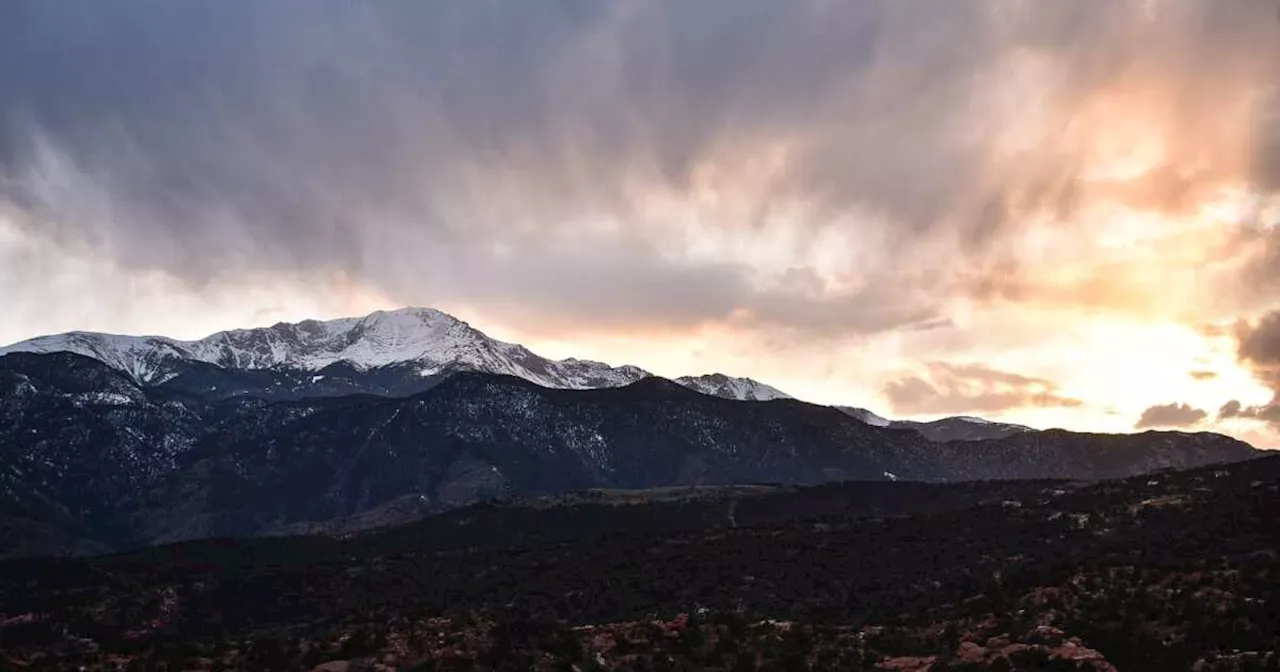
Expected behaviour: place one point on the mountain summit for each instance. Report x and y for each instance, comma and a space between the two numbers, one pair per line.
399, 351
429, 341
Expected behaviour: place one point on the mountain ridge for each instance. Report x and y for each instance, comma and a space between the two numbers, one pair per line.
426, 338
397, 353
954, 428
731, 387
94, 459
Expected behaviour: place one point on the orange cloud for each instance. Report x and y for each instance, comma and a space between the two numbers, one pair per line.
1170, 415
945, 389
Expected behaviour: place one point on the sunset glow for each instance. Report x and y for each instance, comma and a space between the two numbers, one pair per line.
1046, 213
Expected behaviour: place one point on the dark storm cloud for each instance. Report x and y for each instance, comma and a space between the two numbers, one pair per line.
1170, 415
498, 153
945, 389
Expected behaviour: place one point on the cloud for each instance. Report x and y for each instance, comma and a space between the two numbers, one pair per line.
1170, 415
1258, 349
946, 389
1259, 343
680, 155
1231, 409
1265, 412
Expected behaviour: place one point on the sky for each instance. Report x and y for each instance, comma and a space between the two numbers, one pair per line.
1065, 214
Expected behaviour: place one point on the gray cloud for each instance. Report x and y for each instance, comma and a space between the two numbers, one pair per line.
946, 389
1170, 415
498, 153
1259, 343
1265, 412
1258, 348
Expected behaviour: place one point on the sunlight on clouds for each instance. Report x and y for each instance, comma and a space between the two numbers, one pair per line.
1036, 189
1116, 364
1123, 142
1128, 366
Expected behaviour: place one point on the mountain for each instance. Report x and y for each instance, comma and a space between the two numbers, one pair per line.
961, 428
391, 353
114, 441
88, 457
417, 341
728, 387
956, 428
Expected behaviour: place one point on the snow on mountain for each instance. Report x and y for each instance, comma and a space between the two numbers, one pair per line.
430, 340
956, 428
865, 416
432, 343
974, 419
742, 389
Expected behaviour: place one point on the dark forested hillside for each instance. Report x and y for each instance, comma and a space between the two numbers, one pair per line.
1161, 572
88, 459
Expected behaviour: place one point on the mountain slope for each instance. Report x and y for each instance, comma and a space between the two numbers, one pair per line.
865, 416
728, 387
961, 428
90, 453
957, 428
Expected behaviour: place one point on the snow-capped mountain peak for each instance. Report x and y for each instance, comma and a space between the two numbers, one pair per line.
729, 387
430, 340
419, 343
378, 339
